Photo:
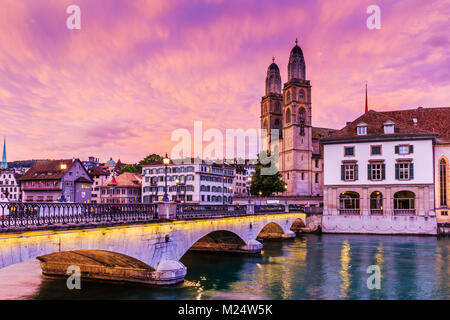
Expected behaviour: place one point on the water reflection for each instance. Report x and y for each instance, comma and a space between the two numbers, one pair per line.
309, 267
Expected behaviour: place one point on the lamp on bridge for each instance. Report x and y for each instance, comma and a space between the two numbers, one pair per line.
260, 194
166, 162
249, 179
285, 197
230, 188
63, 167
177, 181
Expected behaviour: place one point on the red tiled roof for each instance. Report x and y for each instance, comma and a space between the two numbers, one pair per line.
126, 179
320, 133
436, 120
47, 170
99, 171
375, 128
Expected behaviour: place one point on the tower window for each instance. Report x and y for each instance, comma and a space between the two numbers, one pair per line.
288, 97
288, 116
301, 94
443, 182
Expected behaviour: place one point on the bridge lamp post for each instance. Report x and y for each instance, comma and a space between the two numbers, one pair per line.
285, 196
63, 167
260, 194
166, 162
249, 179
230, 188
177, 181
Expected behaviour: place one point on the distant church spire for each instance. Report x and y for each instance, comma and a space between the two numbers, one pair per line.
367, 105
4, 164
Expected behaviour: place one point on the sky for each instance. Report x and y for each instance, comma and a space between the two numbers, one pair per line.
138, 70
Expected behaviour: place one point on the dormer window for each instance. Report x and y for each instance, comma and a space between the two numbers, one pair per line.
362, 129
388, 127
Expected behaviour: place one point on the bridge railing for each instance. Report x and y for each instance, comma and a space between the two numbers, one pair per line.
270, 208
185, 211
28, 214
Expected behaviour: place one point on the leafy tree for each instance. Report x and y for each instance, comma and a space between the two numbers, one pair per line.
129, 168
151, 158
266, 184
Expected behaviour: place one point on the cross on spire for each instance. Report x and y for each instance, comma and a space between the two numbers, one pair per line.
273, 59
296, 41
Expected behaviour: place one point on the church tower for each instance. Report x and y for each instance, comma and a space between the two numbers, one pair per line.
4, 163
271, 103
296, 148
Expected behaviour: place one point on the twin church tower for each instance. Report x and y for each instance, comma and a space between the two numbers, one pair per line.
288, 109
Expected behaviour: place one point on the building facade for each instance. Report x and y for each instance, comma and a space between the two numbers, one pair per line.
288, 109
378, 172
10, 185
189, 183
48, 180
99, 175
125, 188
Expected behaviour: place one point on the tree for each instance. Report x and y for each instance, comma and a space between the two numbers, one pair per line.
151, 158
266, 184
129, 168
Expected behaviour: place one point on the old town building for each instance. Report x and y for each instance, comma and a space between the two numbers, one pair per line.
385, 167
124, 188
48, 180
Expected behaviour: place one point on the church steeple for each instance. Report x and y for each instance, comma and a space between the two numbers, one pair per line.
4, 164
296, 66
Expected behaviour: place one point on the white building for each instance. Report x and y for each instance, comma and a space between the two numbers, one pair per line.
188, 183
379, 177
10, 185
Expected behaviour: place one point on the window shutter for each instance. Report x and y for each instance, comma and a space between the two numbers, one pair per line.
396, 171
397, 149
342, 172
411, 148
383, 171
411, 171
356, 172
369, 172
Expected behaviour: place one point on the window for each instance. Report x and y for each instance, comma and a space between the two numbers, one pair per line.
301, 94
376, 203
404, 171
404, 202
349, 151
444, 213
375, 150
404, 149
349, 172
349, 203
288, 116
443, 182
316, 163
317, 178
362, 129
376, 171
388, 127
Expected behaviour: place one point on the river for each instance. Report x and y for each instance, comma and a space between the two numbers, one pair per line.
309, 267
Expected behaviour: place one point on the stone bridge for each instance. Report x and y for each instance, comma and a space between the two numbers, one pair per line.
143, 252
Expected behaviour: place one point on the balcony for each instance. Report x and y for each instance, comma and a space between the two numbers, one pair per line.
410, 212
376, 212
350, 211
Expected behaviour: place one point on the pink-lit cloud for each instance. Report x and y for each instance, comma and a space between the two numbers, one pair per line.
137, 70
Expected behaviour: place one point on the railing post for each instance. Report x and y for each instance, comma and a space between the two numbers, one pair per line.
250, 208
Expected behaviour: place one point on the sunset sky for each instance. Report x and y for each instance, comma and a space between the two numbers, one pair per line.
137, 70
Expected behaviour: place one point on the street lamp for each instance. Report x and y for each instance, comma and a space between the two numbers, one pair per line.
177, 181
230, 188
260, 194
285, 197
249, 179
63, 167
166, 162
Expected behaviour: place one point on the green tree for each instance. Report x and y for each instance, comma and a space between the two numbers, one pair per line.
129, 168
151, 158
266, 184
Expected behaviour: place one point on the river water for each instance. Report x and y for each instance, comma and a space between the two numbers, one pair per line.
309, 267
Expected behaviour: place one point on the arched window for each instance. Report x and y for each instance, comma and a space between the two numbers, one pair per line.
288, 116
376, 203
443, 182
301, 94
301, 114
404, 202
277, 107
349, 203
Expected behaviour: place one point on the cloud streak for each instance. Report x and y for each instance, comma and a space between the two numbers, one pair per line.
137, 70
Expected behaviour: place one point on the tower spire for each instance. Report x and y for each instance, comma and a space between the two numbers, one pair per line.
367, 106
4, 163
296, 41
